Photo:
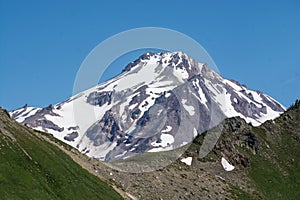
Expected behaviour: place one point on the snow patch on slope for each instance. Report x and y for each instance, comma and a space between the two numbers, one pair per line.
166, 140
226, 165
167, 129
187, 161
189, 109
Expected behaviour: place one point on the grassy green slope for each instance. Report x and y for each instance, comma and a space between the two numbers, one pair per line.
276, 169
32, 168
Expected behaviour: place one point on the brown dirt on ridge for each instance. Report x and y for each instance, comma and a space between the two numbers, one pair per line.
202, 180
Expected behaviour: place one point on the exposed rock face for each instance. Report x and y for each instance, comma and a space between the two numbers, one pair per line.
39, 120
71, 136
73, 128
105, 130
21, 112
145, 56
235, 132
241, 105
46, 124
99, 98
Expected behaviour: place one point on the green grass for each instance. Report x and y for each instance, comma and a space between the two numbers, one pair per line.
241, 194
278, 176
44, 171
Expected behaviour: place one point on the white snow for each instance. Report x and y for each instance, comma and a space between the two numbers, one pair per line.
187, 160
120, 155
184, 143
131, 129
166, 141
226, 165
132, 149
271, 114
235, 100
202, 99
167, 129
238, 88
124, 103
189, 109
159, 149
132, 106
181, 74
211, 87
257, 96
168, 94
233, 85
74, 113
39, 128
225, 104
228, 109
195, 132
271, 99
146, 74
26, 112
153, 92
98, 152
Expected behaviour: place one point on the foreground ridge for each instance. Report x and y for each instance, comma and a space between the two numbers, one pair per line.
31, 168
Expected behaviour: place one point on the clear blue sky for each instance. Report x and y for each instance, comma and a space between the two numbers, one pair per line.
43, 43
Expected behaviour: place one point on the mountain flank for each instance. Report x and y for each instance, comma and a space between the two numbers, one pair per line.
32, 168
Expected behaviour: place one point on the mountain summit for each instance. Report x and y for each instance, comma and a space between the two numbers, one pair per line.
159, 102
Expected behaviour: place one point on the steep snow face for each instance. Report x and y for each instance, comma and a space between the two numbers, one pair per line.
159, 102
21, 114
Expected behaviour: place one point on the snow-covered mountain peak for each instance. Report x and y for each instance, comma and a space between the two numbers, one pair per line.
175, 60
165, 68
159, 102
